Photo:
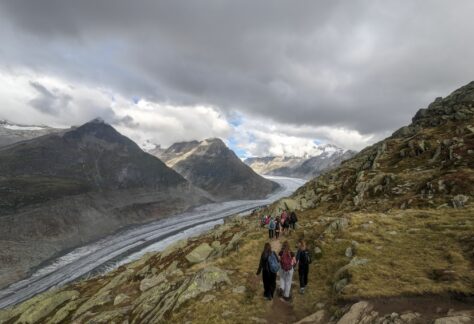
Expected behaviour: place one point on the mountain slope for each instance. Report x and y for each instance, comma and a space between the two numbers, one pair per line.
212, 166
92, 157
64, 189
307, 167
426, 164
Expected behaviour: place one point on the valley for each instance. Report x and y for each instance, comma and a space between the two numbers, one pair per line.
86, 259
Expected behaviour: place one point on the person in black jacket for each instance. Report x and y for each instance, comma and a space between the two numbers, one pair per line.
303, 259
293, 220
268, 277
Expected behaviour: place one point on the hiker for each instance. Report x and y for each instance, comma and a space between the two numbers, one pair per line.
277, 228
271, 228
263, 221
286, 225
293, 220
269, 267
303, 259
267, 219
287, 262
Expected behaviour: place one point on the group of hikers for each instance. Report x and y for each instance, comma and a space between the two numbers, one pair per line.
283, 264
284, 223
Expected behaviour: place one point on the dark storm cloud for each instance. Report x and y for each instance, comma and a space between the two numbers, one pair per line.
49, 102
364, 65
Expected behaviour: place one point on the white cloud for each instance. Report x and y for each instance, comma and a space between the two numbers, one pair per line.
265, 138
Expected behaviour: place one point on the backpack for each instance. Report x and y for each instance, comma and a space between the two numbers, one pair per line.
273, 264
305, 257
271, 225
286, 261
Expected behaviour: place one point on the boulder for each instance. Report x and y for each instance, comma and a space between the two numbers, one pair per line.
459, 201
357, 312
204, 281
338, 225
339, 285
120, 298
148, 283
200, 253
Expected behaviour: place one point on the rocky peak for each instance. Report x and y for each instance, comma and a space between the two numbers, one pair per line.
425, 164
458, 106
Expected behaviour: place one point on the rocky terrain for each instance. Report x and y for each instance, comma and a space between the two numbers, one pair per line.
308, 167
213, 167
11, 132
390, 231
70, 187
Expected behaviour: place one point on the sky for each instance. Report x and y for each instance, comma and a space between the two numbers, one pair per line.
270, 77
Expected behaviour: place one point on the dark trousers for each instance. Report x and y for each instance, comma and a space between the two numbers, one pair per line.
277, 234
269, 283
303, 270
270, 233
292, 225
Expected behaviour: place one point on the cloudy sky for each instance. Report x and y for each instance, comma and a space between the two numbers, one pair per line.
269, 77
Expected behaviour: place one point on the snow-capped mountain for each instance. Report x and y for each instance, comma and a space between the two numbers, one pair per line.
323, 158
11, 132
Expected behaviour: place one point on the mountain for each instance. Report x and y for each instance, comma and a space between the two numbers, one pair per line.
428, 163
11, 132
66, 188
307, 167
212, 166
390, 232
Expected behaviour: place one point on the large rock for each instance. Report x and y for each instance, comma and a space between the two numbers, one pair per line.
356, 313
200, 253
148, 283
459, 201
204, 281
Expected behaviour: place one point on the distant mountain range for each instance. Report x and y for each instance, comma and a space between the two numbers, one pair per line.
213, 167
11, 132
328, 157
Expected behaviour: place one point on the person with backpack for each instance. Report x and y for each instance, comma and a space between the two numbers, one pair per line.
271, 228
277, 227
269, 267
303, 258
287, 262
263, 221
293, 220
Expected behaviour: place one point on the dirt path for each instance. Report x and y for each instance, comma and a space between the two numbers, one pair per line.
279, 311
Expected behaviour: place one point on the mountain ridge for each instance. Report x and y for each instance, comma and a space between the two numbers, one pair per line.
212, 166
